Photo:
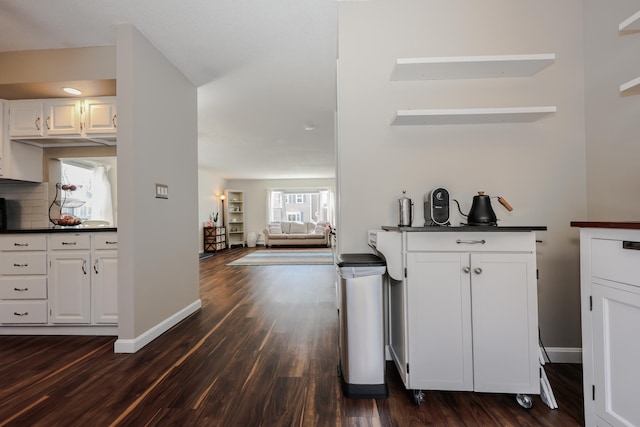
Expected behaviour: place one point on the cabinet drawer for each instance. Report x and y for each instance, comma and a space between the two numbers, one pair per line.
17, 263
23, 242
23, 287
448, 241
611, 261
23, 312
69, 241
105, 241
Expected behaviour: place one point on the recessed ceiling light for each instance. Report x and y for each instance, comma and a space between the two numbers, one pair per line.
72, 90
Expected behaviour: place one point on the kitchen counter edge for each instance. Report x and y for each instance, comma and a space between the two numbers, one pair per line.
59, 230
628, 225
465, 228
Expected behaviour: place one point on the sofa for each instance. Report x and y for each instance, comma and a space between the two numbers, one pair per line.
289, 233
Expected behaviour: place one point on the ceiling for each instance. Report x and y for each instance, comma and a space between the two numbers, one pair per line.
265, 70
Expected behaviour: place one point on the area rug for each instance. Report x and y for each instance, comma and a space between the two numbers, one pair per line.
286, 257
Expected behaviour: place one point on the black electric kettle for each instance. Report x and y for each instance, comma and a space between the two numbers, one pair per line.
481, 212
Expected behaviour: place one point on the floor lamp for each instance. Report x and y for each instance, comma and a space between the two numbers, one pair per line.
222, 200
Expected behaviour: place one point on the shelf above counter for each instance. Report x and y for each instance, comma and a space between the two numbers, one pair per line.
470, 116
470, 67
632, 23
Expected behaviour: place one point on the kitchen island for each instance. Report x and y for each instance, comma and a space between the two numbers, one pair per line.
462, 309
610, 308
59, 281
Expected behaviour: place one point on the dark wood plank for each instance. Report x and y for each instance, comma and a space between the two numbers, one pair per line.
263, 350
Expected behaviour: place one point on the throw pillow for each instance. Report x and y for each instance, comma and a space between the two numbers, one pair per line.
298, 228
320, 228
274, 228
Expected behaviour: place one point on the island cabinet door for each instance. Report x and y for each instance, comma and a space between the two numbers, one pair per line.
69, 287
505, 323
439, 321
616, 317
104, 287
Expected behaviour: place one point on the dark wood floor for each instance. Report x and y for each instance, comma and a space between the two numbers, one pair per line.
262, 351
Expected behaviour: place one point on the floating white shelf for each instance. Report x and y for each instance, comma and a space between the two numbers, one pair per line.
630, 86
470, 116
632, 23
470, 67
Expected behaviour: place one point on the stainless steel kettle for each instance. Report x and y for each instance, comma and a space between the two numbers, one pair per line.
405, 211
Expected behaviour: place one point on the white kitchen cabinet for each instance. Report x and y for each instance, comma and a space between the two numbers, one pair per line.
45, 118
23, 280
26, 118
104, 278
69, 278
63, 122
100, 116
465, 316
610, 296
17, 161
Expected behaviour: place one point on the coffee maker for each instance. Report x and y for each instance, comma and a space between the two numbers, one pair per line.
436, 207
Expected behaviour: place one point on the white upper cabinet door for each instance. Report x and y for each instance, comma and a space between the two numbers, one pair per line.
63, 117
26, 118
100, 116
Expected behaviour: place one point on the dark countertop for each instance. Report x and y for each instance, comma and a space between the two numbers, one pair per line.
59, 230
632, 225
476, 228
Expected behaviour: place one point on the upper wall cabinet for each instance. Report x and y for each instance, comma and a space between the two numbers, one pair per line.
63, 122
470, 67
632, 23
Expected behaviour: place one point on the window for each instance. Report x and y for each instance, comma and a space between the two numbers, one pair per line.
300, 205
93, 188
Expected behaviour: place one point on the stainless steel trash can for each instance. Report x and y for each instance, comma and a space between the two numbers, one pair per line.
362, 359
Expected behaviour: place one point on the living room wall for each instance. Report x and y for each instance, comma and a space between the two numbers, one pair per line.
255, 196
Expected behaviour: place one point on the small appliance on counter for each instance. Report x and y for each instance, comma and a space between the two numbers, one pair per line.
405, 211
481, 212
436, 207
3, 213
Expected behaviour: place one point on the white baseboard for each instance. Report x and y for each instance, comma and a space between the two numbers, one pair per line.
133, 345
563, 354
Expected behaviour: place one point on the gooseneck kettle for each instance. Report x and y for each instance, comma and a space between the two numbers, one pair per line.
481, 212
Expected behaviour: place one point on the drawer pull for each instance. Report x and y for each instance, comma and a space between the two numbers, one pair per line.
626, 244
20, 289
20, 265
15, 313
69, 243
471, 242
20, 244
110, 243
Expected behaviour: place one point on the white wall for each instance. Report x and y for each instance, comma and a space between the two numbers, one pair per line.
538, 167
255, 196
157, 143
210, 186
611, 58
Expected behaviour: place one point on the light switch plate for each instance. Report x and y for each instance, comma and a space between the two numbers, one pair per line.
162, 191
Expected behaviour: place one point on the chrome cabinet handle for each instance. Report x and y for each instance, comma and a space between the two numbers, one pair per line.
20, 289
95, 266
69, 243
38, 123
15, 313
466, 269
471, 242
477, 270
631, 245
20, 265
20, 244
110, 243
84, 266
